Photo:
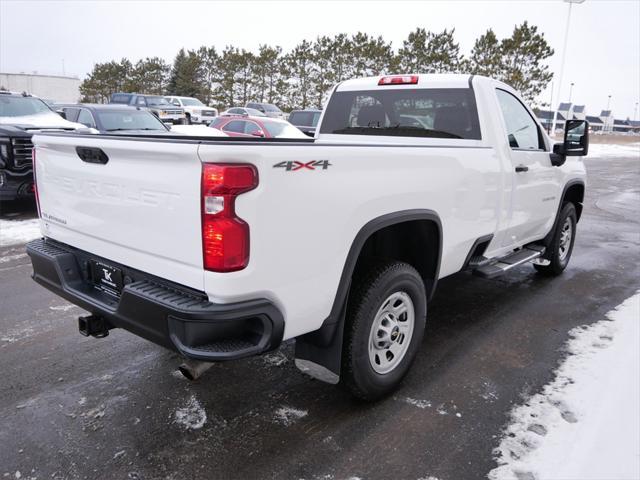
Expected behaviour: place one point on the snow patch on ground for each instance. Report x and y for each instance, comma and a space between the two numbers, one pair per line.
10, 258
416, 402
606, 150
13, 232
585, 424
274, 359
287, 416
192, 416
62, 308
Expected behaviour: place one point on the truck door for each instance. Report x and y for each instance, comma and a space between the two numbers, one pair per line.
535, 185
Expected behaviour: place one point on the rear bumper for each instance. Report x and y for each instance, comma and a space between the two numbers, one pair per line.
165, 313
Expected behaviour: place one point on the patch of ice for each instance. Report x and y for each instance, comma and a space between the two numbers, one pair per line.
605, 150
489, 394
585, 423
192, 416
9, 258
417, 402
288, 416
15, 335
14, 232
428, 478
274, 359
62, 308
441, 410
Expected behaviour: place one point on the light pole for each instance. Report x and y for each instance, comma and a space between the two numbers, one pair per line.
564, 53
608, 112
635, 112
570, 90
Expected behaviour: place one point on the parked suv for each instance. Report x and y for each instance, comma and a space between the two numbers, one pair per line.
20, 116
156, 104
305, 120
269, 109
195, 111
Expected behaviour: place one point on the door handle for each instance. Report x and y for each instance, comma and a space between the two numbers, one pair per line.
522, 168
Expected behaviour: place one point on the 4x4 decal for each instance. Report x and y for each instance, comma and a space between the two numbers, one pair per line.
295, 165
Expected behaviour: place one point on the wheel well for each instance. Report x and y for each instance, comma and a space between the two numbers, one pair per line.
416, 242
575, 195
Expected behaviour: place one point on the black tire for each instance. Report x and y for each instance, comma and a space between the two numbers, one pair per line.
186, 120
558, 254
368, 294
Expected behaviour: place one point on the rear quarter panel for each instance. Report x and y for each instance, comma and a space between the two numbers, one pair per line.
304, 221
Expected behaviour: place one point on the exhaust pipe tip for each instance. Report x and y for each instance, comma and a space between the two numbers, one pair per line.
193, 369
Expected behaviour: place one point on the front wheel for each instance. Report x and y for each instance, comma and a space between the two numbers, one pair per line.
386, 318
561, 245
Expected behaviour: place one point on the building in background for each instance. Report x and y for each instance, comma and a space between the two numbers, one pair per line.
48, 87
605, 122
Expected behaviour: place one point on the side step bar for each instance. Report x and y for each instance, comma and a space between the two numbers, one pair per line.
506, 263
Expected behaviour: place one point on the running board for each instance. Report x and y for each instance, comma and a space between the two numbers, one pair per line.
504, 264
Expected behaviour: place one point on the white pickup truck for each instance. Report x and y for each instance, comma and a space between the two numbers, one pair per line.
224, 248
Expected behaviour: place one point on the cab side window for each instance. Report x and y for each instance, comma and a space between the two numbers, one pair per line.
236, 126
251, 128
522, 130
86, 119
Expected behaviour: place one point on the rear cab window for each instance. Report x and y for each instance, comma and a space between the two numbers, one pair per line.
426, 112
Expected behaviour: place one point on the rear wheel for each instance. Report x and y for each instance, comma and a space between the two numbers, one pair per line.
385, 324
562, 242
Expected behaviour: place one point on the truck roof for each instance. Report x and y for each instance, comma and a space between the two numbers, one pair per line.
430, 80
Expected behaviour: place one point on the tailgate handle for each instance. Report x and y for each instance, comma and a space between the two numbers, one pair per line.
92, 155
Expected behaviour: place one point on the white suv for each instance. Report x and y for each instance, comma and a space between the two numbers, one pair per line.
195, 110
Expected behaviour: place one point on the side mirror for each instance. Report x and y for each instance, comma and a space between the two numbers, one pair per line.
62, 114
575, 144
576, 138
258, 133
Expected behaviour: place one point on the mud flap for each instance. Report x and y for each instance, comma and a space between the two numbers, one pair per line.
319, 353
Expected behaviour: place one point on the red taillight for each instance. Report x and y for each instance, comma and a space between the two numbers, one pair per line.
225, 236
399, 80
35, 182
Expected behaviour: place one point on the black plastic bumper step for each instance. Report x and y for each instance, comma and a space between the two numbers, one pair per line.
506, 263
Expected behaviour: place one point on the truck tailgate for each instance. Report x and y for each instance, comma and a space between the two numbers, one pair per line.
141, 208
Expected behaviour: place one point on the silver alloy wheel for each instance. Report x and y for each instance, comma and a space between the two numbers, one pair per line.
391, 332
565, 239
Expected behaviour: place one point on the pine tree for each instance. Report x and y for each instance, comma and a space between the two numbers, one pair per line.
428, 52
523, 56
149, 76
371, 56
300, 66
486, 56
187, 75
209, 60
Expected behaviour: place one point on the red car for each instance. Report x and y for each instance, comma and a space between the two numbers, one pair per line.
262, 127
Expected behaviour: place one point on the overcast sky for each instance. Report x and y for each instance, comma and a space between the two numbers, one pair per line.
603, 54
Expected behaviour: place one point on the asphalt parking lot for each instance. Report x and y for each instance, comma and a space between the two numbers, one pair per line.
73, 407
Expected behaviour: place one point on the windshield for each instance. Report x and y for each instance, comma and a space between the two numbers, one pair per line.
129, 120
157, 101
282, 130
305, 119
271, 108
252, 111
192, 102
20, 106
427, 112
